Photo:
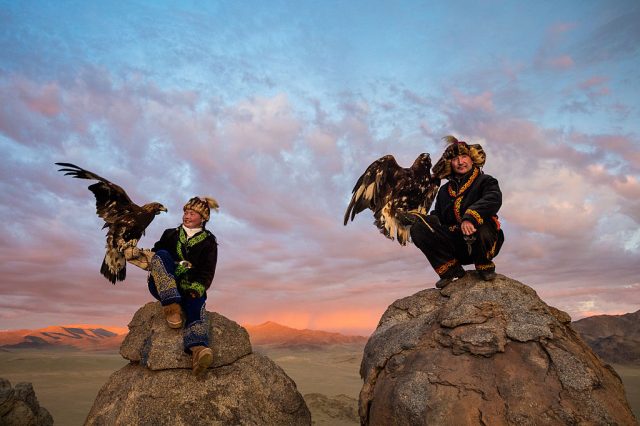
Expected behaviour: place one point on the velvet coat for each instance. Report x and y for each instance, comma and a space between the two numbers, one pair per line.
201, 251
475, 197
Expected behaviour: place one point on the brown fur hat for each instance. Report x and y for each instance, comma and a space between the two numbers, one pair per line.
202, 205
442, 168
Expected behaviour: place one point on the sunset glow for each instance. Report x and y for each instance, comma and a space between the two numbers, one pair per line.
276, 108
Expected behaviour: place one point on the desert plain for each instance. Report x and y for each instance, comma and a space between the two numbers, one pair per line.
66, 382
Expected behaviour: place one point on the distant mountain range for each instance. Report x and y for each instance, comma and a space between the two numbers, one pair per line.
274, 334
83, 337
103, 338
615, 338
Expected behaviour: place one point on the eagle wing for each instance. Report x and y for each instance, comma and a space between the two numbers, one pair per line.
125, 220
396, 195
112, 201
374, 187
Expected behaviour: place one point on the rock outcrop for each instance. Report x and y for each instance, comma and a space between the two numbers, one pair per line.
484, 353
616, 338
19, 406
157, 386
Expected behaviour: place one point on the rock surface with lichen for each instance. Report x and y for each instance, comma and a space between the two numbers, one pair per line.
479, 353
157, 386
19, 406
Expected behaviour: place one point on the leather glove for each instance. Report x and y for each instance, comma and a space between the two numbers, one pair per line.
131, 253
142, 260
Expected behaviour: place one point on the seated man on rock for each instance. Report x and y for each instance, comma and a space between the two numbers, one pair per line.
463, 227
182, 265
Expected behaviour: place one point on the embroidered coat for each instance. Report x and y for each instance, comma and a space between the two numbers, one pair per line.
475, 197
201, 251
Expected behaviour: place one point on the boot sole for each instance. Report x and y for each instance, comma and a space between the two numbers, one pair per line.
204, 362
175, 324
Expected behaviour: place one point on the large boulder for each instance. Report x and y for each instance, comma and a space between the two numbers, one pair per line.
479, 353
154, 345
158, 388
19, 406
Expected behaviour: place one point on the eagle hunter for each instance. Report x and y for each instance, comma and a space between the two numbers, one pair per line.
125, 220
397, 196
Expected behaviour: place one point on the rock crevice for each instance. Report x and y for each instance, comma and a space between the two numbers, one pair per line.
481, 352
157, 386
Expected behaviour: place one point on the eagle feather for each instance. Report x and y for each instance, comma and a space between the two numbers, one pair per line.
394, 194
126, 221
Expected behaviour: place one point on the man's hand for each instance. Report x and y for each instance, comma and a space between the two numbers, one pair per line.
467, 228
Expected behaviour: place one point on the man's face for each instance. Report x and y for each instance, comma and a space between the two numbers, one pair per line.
461, 164
191, 219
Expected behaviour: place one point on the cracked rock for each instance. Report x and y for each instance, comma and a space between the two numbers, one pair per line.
157, 386
478, 353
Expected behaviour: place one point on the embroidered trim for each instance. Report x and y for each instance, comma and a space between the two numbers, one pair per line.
164, 282
466, 185
453, 228
445, 267
196, 239
475, 215
497, 222
492, 253
195, 286
456, 209
182, 241
486, 266
197, 332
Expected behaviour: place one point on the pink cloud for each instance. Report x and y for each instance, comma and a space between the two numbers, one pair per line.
482, 102
593, 82
561, 62
561, 27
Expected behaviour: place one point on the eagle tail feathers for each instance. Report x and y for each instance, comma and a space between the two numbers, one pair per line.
114, 266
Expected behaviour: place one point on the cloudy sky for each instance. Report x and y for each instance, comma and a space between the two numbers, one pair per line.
275, 109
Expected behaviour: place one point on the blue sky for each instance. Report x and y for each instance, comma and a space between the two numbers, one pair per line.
275, 109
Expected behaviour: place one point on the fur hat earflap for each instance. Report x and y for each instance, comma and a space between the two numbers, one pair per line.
202, 205
442, 168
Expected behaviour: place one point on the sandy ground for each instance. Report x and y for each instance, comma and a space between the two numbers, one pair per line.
329, 380
66, 383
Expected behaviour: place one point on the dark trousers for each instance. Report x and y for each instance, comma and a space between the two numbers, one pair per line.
163, 286
446, 250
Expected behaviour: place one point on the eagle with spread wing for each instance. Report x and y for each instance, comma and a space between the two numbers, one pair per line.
126, 221
395, 195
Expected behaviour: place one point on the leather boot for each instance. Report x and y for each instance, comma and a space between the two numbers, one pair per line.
173, 315
202, 358
457, 272
487, 275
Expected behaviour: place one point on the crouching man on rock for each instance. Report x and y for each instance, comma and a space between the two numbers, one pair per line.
463, 228
182, 265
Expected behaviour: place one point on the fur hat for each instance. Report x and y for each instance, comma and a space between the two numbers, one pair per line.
202, 205
442, 168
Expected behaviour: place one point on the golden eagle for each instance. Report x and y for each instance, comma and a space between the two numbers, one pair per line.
125, 220
395, 194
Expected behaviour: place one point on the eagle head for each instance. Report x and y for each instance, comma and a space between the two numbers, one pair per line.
155, 208
422, 165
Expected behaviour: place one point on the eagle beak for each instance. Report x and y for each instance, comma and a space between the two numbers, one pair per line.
162, 209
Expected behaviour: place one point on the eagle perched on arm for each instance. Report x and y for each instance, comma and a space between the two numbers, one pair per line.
126, 221
395, 194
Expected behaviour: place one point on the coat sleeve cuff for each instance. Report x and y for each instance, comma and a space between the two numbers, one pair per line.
473, 216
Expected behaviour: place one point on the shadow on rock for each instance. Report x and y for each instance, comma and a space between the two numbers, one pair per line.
478, 353
158, 388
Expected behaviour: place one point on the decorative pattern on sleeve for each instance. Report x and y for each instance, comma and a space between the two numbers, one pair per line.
442, 269
475, 215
